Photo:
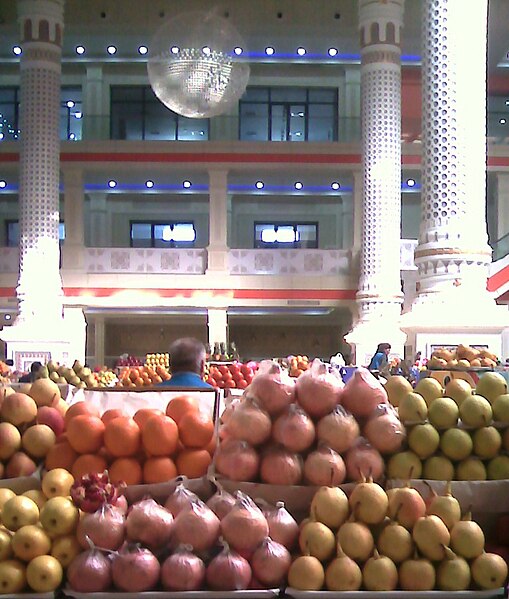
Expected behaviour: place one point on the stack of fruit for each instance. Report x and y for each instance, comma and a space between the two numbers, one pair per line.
199, 546
151, 447
37, 536
30, 426
153, 360
142, 376
79, 376
105, 377
230, 376
463, 357
298, 364
290, 431
128, 360
380, 541
455, 432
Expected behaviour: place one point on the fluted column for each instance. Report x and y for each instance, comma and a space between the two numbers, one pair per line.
379, 297
217, 249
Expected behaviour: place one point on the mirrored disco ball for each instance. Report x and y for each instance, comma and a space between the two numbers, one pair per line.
192, 66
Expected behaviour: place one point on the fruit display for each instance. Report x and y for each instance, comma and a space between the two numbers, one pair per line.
186, 544
150, 447
312, 430
128, 360
456, 432
382, 541
142, 376
234, 375
463, 357
298, 364
38, 536
30, 426
153, 360
105, 377
78, 375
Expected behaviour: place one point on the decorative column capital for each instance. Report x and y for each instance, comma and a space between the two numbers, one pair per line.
41, 21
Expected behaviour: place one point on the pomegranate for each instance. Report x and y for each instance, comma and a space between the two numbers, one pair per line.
245, 527
270, 563
228, 571
363, 393
197, 526
135, 569
92, 491
384, 429
363, 460
294, 429
324, 467
89, 572
180, 499
105, 528
222, 502
338, 430
249, 423
283, 527
319, 390
281, 467
149, 523
272, 388
183, 571
237, 460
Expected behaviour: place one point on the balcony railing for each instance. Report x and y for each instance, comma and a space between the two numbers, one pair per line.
150, 261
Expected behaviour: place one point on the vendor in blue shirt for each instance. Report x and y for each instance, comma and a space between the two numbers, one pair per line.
187, 364
380, 359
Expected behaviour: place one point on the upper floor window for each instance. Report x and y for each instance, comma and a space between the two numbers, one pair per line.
286, 235
136, 113
70, 113
148, 234
289, 114
12, 232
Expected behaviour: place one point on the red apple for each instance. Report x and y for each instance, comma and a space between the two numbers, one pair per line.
52, 418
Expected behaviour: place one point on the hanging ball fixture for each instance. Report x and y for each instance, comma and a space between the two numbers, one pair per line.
193, 68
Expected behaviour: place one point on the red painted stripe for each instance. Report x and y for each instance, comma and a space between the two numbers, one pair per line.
498, 279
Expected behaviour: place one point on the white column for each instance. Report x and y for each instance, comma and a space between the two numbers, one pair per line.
379, 297
218, 221
502, 204
95, 105
349, 130
99, 220
74, 244
99, 340
217, 322
357, 211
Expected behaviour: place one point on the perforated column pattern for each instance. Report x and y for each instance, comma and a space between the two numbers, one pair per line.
379, 286
39, 288
453, 240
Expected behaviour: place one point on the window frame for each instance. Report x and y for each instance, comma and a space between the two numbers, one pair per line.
155, 223
277, 245
15, 221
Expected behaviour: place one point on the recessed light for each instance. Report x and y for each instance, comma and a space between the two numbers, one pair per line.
142, 50
410, 182
17, 50
1, 135
301, 51
502, 121
206, 50
80, 49
332, 51
112, 183
507, 102
78, 115
69, 103
175, 50
186, 184
111, 50
3, 184
72, 136
238, 51
7, 316
335, 185
269, 50
149, 184
259, 185
298, 185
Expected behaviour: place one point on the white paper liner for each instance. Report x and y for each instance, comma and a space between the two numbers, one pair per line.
296, 594
247, 594
22, 483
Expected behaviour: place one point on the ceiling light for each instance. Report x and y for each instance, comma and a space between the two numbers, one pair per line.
238, 51
69, 104
175, 50
17, 50
298, 185
507, 102
149, 184
142, 50
259, 185
112, 183
206, 50
410, 182
332, 51
111, 50
301, 51
7, 316
269, 50
502, 121
1, 135
3, 184
186, 184
335, 185
78, 115
80, 49
72, 136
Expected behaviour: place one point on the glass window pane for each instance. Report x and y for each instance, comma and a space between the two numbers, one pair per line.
255, 94
126, 93
254, 120
278, 130
288, 94
321, 126
12, 233
192, 129
322, 95
297, 122
126, 121
160, 123
61, 231
141, 231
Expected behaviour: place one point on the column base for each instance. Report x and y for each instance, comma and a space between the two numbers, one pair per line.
217, 261
366, 335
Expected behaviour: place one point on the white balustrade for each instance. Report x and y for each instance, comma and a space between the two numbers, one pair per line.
150, 261
289, 262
